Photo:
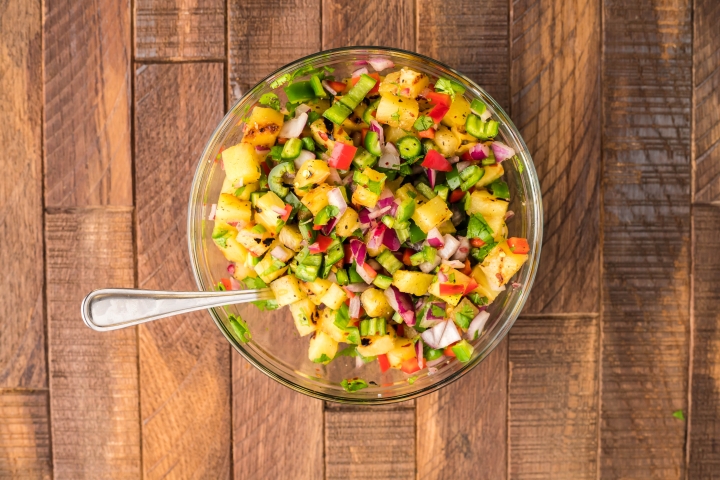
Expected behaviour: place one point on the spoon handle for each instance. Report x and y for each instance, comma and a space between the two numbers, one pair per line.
114, 308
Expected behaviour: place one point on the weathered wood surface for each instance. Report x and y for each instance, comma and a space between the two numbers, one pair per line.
87, 55
555, 97
390, 23
93, 376
646, 239
24, 435
553, 398
184, 360
179, 29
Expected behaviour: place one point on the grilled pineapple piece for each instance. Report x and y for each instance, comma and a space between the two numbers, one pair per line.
291, 237
375, 303
458, 113
305, 315
231, 209
262, 127
317, 198
492, 209
322, 348
241, 164
311, 173
348, 223
320, 134
501, 264
287, 290
256, 239
414, 283
446, 141
431, 214
397, 111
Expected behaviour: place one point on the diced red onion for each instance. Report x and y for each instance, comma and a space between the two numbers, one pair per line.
453, 263
463, 165
463, 250
379, 212
450, 335
281, 254
304, 156
476, 326
432, 336
234, 284
336, 199
516, 285
432, 176
359, 251
509, 214
327, 228
454, 159
293, 128
360, 71
278, 210
334, 177
261, 149
302, 108
357, 287
419, 353
435, 238
375, 127
427, 267
390, 158
329, 88
420, 302
442, 277
385, 199
502, 152
354, 307
380, 63
358, 63
486, 115
390, 240
401, 303
213, 209
364, 275
376, 236
450, 247
479, 151
231, 269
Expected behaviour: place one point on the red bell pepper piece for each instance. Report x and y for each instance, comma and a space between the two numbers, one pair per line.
376, 76
341, 156
448, 352
369, 270
456, 195
348, 253
321, 244
226, 283
467, 157
452, 288
410, 365
286, 215
439, 98
518, 245
476, 242
434, 160
470, 286
467, 270
438, 112
429, 133
384, 363
406, 256
337, 86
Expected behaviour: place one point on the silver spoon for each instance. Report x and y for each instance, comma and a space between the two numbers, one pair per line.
114, 308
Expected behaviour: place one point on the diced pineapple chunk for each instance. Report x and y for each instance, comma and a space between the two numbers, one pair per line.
320, 134
446, 227
355, 123
327, 325
389, 85
231, 209
287, 290
431, 214
305, 316
375, 303
492, 209
263, 127
265, 211
404, 349
348, 223
492, 173
458, 113
363, 196
501, 264
466, 308
241, 164
256, 239
397, 111
334, 297
322, 348
291, 237
483, 287
414, 283
243, 193
446, 141
405, 83
341, 135
377, 344
269, 268
454, 278
312, 173
317, 198
393, 134
316, 289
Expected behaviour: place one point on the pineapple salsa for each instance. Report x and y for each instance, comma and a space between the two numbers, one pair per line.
374, 207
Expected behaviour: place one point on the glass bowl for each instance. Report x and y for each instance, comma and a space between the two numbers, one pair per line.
276, 348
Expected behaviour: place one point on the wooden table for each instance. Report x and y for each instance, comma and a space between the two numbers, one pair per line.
103, 114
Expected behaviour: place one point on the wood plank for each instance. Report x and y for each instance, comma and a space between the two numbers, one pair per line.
646, 239
275, 430
462, 428
390, 23
704, 418
370, 444
553, 398
264, 35
22, 338
24, 435
555, 92
470, 36
87, 53
179, 29
706, 105
184, 360
93, 376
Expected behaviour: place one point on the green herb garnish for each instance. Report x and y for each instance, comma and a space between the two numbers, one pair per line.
353, 385
423, 123
479, 228
241, 328
271, 100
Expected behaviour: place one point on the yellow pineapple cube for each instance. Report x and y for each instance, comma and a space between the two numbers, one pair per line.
375, 303
431, 214
291, 237
334, 297
347, 223
305, 316
458, 113
287, 290
414, 283
446, 141
317, 198
397, 111
265, 211
241, 164
311, 173
322, 348
492, 173
263, 127
231, 209
501, 264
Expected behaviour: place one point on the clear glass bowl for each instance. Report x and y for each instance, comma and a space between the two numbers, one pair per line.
276, 348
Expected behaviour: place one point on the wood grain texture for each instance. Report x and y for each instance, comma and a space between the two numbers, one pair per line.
179, 29
704, 418
363, 443
390, 23
277, 433
93, 376
556, 106
553, 398
184, 361
87, 53
646, 177
462, 429
706, 107
470, 36
24, 435
264, 35
22, 338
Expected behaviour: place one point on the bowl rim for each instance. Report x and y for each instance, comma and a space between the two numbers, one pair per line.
536, 246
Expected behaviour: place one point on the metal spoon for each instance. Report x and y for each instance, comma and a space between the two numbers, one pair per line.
114, 308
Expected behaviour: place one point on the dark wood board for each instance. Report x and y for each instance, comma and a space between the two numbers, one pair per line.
553, 398
265, 35
22, 338
555, 97
184, 360
647, 93
87, 54
706, 105
390, 23
704, 417
179, 29
24, 435
93, 375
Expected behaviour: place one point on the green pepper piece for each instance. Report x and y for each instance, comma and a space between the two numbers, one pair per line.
306, 273
425, 189
417, 258
500, 189
292, 149
402, 230
463, 351
430, 253
308, 144
342, 277
405, 210
317, 87
275, 178
431, 353
363, 159
477, 107
356, 94
470, 176
479, 129
299, 92
367, 114
372, 143
307, 231
324, 215
442, 191
382, 281
416, 233
334, 253
337, 113
353, 275
453, 178
389, 262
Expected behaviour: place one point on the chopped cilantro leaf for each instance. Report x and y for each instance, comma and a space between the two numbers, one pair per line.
240, 327
423, 123
323, 359
353, 385
396, 116
254, 282
271, 100
447, 86
479, 228
679, 415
